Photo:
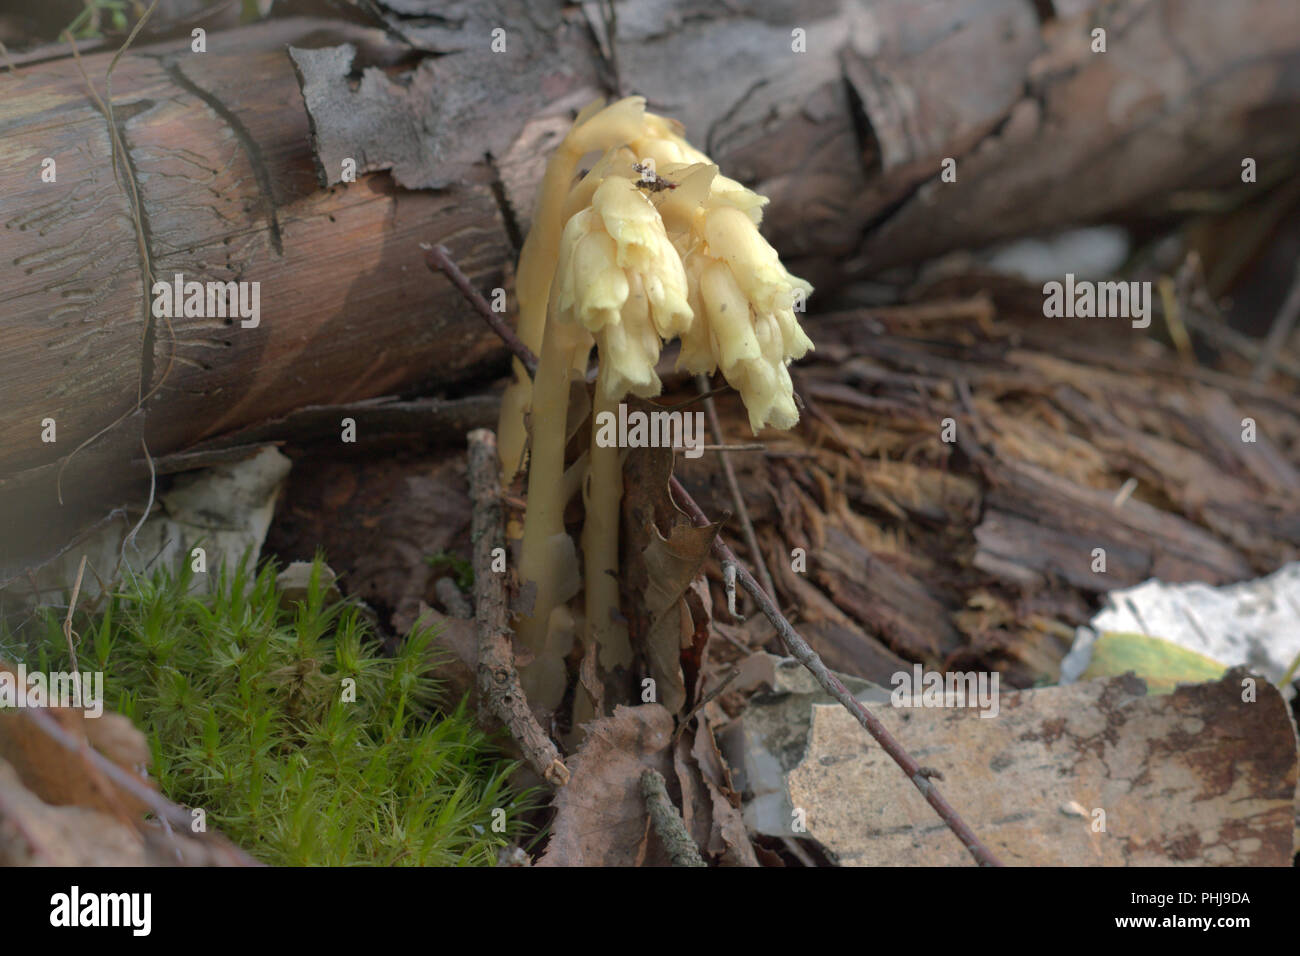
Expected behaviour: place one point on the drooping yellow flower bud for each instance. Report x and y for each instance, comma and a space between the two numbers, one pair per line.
733, 237
743, 298
620, 277
597, 127
663, 142
661, 139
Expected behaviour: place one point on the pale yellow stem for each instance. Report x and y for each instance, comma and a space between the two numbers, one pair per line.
610, 127
533, 286
606, 629
544, 554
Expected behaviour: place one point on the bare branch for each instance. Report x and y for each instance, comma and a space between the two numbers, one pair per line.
498, 681
667, 822
806, 656
746, 526
439, 259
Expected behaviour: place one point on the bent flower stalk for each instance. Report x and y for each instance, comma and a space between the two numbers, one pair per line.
652, 244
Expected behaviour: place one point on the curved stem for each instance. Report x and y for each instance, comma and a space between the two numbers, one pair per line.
608, 128
533, 285
545, 560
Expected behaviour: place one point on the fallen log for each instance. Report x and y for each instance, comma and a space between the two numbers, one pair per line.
844, 115
217, 146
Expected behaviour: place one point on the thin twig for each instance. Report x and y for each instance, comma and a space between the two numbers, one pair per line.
498, 681
709, 696
1124, 493
1203, 316
439, 258
148, 507
787, 453
746, 526
806, 656
795, 644
667, 822
67, 630
105, 105
826, 419
1212, 328
729, 586
697, 398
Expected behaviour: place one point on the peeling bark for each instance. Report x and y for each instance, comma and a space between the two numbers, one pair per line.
847, 139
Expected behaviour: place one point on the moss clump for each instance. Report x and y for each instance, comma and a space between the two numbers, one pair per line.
462, 572
300, 740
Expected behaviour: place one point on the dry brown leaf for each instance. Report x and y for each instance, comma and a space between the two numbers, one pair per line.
697, 802
1197, 777
61, 807
65, 778
697, 625
672, 564
119, 740
728, 839
34, 833
663, 553
600, 815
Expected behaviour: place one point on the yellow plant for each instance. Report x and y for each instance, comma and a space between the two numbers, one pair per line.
651, 244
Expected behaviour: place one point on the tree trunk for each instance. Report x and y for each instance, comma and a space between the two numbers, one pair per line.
848, 137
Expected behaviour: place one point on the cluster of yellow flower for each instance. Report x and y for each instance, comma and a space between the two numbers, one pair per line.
667, 247
653, 243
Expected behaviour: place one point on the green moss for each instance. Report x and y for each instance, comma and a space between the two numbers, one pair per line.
248, 712
462, 572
